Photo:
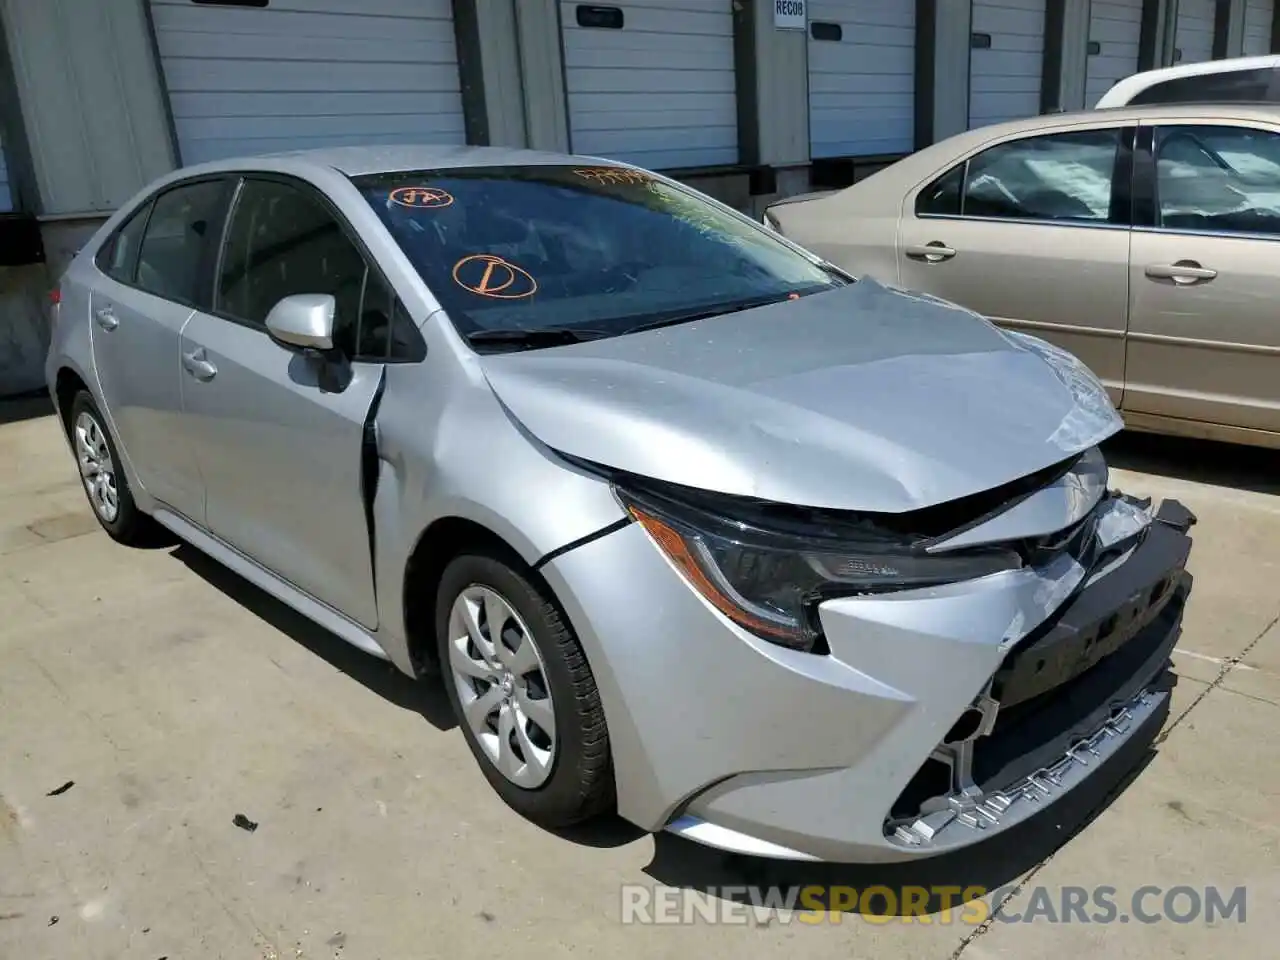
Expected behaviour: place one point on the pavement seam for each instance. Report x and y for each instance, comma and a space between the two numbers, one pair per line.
1228, 664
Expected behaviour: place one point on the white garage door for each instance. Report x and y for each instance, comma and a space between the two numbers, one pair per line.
1193, 41
309, 73
861, 77
1258, 15
1116, 27
1004, 76
651, 82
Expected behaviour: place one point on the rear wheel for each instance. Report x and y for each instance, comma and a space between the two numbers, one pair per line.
105, 484
522, 691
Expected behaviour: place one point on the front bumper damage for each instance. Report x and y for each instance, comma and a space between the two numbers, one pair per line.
939, 717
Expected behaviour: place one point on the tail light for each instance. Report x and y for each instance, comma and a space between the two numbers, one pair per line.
55, 296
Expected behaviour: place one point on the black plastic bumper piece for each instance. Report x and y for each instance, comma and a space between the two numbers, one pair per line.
1103, 617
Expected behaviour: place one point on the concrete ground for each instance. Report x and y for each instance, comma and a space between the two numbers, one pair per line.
173, 696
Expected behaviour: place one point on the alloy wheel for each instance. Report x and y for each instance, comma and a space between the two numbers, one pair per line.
97, 467
502, 686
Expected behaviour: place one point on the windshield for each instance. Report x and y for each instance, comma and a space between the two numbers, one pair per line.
600, 250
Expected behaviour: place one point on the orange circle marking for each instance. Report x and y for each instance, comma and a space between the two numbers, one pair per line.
420, 198
487, 275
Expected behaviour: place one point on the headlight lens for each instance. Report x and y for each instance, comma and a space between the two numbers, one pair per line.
772, 583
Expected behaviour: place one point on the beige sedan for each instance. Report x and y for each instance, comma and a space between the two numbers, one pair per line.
1145, 240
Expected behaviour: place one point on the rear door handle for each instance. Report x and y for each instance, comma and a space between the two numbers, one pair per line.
1184, 272
106, 318
933, 252
199, 367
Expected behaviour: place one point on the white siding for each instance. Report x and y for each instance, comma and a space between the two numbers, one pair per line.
6, 200
660, 91
309, 73
862, 88
1257, 27
1116, 25
1004, 79
1194, 35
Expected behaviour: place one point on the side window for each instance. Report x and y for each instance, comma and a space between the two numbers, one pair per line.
177, 251
386, 331
118, 257
942, 197
1222, 179
1230, 86
1058, 177
284, 241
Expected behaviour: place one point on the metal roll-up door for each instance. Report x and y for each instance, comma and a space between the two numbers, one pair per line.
862, 61
1115, 26
1193, 37
6, 199
651, 82
1258, 15
1006, 60
309, 73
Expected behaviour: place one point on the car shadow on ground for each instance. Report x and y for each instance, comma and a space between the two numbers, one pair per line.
426, 697
1199, 461
25, 406
970, 873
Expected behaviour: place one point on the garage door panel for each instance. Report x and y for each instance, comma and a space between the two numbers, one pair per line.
1194, 33
660, 91
1258, 15
250, 75
862, 86
308, 73
1116, 26
1005, 78
6, 199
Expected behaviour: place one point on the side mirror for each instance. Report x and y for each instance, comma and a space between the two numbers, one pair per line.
304, 320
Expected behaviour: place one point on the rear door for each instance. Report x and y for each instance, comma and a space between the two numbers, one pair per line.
282, 454
155, 269
1033, 233
1204, 336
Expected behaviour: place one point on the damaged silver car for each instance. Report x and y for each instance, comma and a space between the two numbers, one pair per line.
688, 522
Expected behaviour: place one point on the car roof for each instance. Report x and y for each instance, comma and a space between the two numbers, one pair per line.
1123, 91
359, 161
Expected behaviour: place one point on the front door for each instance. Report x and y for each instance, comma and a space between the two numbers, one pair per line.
1032, 233
1204, 338
155, 266
281, 455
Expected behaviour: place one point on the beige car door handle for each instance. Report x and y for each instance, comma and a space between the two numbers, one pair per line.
933, 252
1183, 272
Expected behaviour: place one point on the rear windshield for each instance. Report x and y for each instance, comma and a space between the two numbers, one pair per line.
605, 248
1228, 86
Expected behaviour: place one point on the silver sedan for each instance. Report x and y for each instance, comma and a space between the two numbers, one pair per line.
691, 523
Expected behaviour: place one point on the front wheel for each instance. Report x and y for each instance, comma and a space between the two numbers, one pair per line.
523, 692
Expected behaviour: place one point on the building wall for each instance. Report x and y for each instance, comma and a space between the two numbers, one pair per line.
88, 118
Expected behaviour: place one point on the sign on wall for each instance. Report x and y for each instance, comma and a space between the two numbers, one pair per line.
789, 14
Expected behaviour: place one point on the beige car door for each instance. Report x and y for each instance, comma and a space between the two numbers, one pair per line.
1033, 233
1204, 335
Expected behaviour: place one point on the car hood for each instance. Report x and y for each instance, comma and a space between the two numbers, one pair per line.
861, 398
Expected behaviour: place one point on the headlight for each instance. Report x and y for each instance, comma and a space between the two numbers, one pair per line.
771, 583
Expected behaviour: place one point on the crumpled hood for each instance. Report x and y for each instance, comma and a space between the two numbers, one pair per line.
862, 398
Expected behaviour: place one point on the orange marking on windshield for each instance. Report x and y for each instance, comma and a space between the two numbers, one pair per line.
487, 275
420, 198
613, 175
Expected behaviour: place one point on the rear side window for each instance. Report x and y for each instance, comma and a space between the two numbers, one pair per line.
1061, 177
1234, 86
118, 257
1219, 179
176, 257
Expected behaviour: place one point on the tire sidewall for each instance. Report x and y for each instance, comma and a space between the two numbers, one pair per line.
561, 790
127, 515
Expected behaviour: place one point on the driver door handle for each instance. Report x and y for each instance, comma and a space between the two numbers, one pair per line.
106, 318
1184, 272
198, 366
933, 252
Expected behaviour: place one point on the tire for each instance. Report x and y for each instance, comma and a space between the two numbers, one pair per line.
100, 470
576, 783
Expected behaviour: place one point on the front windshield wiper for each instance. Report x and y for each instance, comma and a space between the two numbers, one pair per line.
543, 337
706, 313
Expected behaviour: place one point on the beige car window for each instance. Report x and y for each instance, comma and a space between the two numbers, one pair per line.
1062, 176
1219, 179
